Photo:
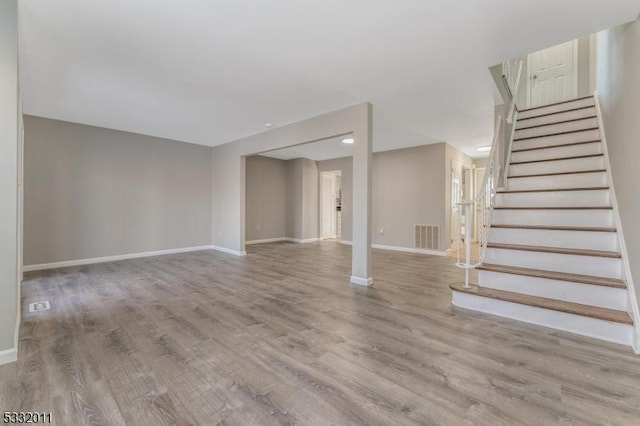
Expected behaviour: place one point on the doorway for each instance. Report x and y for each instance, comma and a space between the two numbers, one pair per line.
553, 74
331, 205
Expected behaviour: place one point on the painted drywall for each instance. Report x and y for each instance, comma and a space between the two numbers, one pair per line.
345, 165
94, 192
265, 198
408, 189
618, 68
9, 143
228, 177
301, 199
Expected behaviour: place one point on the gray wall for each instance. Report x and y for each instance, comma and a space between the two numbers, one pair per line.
408, 189
301, 199
618, 68
92, 192
8, 175
345, 165
265, 198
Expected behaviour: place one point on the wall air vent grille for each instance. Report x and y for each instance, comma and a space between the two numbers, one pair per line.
427, 237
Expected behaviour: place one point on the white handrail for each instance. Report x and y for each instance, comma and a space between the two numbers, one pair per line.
485, 199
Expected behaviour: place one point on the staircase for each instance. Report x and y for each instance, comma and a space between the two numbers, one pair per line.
552, 256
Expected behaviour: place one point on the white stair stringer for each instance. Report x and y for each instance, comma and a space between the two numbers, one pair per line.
591, 327
554, 254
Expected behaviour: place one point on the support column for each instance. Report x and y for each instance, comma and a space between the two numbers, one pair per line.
362, 163
9, 179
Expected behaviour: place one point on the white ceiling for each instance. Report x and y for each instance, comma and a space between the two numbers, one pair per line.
325, 149
212, 71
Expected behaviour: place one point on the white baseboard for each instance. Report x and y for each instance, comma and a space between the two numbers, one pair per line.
92, 260
366, 282
410, 250
347, 243
228, 251
9, 355
267, 240
297, 240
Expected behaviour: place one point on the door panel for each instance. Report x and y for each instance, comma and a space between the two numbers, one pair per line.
553, 74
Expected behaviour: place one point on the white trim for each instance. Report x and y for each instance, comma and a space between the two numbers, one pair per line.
297, 240
366, 282
410, 250
346, 242
9, 355
266, 240
92, 260
228, 251
633, 301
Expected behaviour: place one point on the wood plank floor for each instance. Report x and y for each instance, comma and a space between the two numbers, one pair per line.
281, 337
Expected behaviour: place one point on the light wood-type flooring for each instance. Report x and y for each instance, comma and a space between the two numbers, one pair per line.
281, 337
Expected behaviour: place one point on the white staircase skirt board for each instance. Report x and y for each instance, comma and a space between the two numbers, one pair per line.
576, 180
584, 136
554, 118
589, 198
558, 166
557, 152
586, 294
587, 240
586, 326
587, 123
590, 101
599, 218
597, 266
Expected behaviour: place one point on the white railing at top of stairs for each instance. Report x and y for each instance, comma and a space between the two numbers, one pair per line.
484, 201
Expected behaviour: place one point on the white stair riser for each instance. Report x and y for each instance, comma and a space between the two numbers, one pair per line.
585, 136
557, 152
588, 123
591, 198
578, 180
569, 263
557, 108
586, 294
599, 218
559, 166
561, 116
586, 326
607, 241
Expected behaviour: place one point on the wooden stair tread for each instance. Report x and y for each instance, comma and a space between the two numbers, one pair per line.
556, 146
557, 250
516, 191
559, 103
566, 132
596, 312
552, 275
558, 122
559, 173
554, 113
558, 159
557, 228
555, 208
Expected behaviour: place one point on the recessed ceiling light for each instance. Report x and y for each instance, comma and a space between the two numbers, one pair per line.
268, 125
484, 148
347, 140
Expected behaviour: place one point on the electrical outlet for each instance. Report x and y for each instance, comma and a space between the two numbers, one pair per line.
258, 227
39, 306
